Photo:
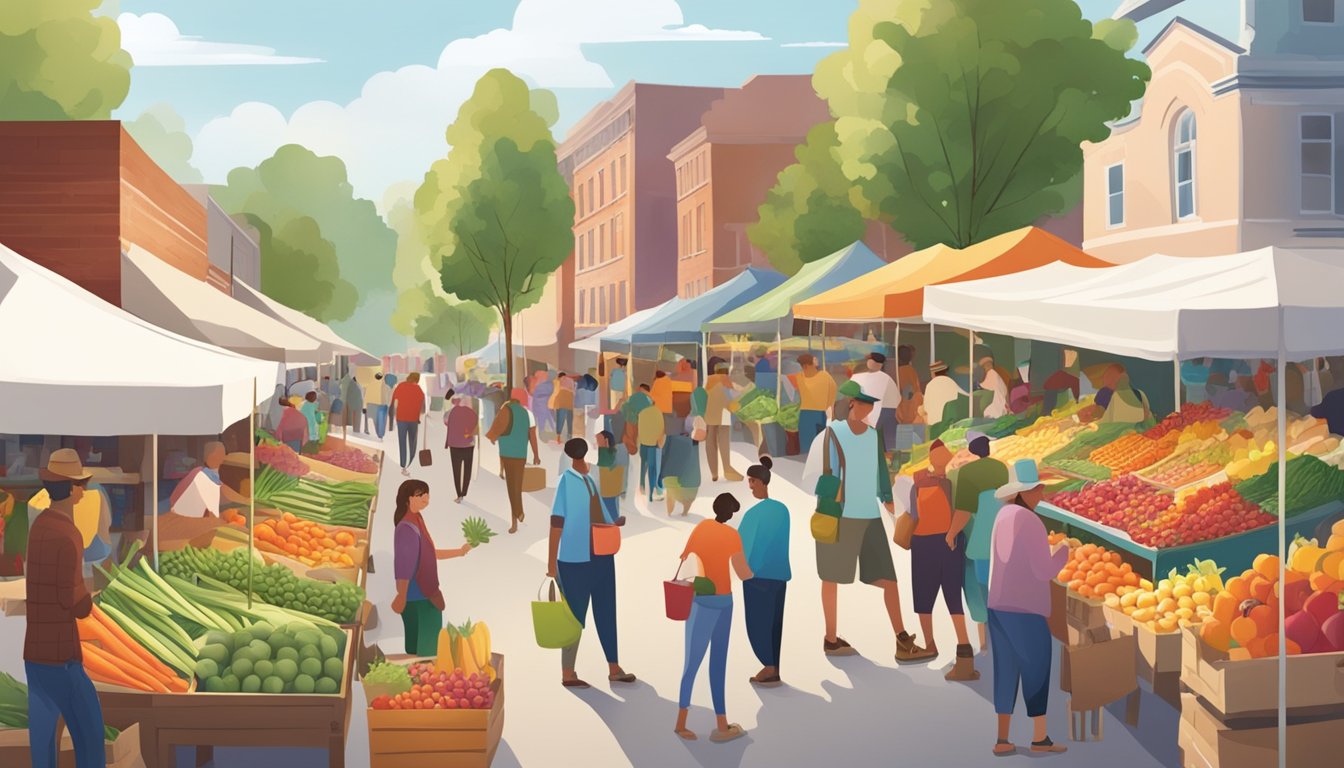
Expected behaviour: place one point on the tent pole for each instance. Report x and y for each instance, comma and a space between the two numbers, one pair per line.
154, 493
1176, 384
779, 360
823, 345
631, 372
933, 345
970, 373
704, 358
1283, 548
251, 485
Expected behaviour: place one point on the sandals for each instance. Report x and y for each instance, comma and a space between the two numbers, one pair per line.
734, 731
771, 681
838, 648
1046, 745
686, 734
624, 677
1004, 748
575, 683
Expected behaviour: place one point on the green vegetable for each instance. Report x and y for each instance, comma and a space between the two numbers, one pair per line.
395, 676
788, 417
274, 584
1310, 483
760, 408
476, 531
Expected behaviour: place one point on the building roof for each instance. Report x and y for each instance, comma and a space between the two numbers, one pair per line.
1198, 30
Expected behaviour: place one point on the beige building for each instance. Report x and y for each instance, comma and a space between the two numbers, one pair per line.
1235, 146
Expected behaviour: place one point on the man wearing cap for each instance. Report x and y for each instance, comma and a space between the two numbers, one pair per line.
58, 686
879, 384
816, 398
974, 485
940, 391
1022, 563
861, 543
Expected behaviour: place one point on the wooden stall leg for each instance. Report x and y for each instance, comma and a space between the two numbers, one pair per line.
336, 752
1132, 709
167, 755
205, 754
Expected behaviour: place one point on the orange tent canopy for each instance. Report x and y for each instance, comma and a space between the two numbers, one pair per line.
896, 291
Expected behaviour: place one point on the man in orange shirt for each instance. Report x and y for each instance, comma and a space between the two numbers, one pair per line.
408, 406
938, 557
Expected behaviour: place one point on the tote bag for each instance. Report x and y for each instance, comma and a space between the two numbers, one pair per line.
552, 620
830, 492
678, 594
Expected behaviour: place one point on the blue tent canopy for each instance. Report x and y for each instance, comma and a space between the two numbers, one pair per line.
680, 324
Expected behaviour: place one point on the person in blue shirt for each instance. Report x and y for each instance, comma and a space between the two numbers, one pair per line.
582, 575
765, 541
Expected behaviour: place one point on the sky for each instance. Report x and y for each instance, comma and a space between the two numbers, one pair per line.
376, 83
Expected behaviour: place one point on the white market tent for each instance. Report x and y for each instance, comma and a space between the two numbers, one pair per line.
158, 292
1259, 304
329, 342
620, 328
1270, 303
76, 365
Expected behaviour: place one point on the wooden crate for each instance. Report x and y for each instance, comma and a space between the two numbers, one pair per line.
1250, 687
448, 738
208, 720
1159, 653
124, 752
1206, 741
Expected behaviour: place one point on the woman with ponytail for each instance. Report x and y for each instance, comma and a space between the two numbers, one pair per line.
765, 541
416, 571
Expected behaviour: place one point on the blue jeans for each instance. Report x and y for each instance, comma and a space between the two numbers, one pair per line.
810, 424
564, 422
379, 413
595, 582
64, 691
648, 468
763, 600
407, 434
1022, 648
708, 628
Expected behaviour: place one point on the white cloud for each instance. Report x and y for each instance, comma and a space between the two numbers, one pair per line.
153, 40
394, 129
814, 44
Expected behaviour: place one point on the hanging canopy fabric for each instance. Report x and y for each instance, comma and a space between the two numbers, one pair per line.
593, 343
682, 324
896, 291
77, 365
769, 312
164, 295
329, 342
1165, 307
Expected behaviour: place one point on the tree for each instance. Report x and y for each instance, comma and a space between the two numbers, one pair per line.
813, 210
456, 328
496, 213
963, 119
160, 131
299, 268
60, 62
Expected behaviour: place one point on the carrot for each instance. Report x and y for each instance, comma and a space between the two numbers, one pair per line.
133, 671
133, 649
101, 667
95, 634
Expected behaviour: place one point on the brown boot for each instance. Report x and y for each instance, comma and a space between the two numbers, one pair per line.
963, 670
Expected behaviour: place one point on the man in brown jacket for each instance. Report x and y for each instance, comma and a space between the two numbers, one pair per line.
58, 687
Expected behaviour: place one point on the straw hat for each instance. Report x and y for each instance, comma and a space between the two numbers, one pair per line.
937, 366
64, 464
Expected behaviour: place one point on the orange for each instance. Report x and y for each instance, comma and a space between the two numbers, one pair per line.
1261, 588
1216, 634
1243, 630
1267, 566
1238, 588
1266, 620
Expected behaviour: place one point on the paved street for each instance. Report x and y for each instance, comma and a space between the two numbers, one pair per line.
867, 709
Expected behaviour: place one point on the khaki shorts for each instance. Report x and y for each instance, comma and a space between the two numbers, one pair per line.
862, 546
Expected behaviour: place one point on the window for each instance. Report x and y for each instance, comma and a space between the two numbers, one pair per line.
1115, 195
578, 304
623, 174
578, 199
579, 251
601, 303
686, 234
622, 296
591, 243
611, 303
612, 177
592, 305
1183, 165
1318, 161
618, 235
590, 196
602, 242
1318, 11
681, 185
699, 228
601, 188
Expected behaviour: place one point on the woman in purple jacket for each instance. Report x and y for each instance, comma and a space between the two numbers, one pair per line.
415, 568
1022, 563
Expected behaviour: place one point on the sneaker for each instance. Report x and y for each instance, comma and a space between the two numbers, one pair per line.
838, 648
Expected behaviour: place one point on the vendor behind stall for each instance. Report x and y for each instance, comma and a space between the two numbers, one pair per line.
1123, 403
201, 492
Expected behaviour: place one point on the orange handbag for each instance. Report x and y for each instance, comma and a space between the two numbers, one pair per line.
606, 537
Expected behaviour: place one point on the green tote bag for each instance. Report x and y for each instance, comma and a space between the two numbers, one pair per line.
552, 620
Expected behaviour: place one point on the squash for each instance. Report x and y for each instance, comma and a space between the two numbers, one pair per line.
446, 657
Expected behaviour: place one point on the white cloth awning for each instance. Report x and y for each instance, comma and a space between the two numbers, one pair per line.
1246, 305
168, 297
329, 342
76, 365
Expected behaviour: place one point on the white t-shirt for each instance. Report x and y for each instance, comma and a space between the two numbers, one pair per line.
940, 391
879, 385
202, 496
994, 383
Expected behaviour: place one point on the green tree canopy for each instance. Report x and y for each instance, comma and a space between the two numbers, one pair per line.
161, 132
813, 210
963, 119
496, 213
455, 327
299, 268
60, 62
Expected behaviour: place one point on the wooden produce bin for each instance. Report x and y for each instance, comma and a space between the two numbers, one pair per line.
124, 752
1159, 655
1250, 688
1207, 741
208, 720
438, 738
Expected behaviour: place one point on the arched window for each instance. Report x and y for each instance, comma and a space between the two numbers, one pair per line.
1183, 165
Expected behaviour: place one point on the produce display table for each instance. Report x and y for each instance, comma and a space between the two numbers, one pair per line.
1233, 552
457, 738
208, 720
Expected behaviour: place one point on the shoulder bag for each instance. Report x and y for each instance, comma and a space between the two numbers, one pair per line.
606, 537
678, 594
553, 622
830, 492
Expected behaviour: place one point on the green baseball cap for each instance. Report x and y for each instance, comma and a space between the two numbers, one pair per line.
851, 389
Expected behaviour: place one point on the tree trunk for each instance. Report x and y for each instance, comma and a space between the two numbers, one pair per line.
508, 348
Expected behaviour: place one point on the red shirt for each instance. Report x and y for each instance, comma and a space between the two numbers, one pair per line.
410, 400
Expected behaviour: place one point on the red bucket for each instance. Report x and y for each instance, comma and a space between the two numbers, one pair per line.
678, 595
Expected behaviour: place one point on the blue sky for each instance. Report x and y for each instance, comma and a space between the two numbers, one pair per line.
376, 82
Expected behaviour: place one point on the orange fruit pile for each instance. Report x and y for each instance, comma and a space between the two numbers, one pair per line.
1095, 572
310, 543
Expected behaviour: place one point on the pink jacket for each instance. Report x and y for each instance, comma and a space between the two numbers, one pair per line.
1021, 566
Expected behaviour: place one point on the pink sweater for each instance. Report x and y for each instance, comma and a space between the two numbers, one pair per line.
1021, 565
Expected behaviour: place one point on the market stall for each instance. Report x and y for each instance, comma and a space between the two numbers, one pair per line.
1205, 489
